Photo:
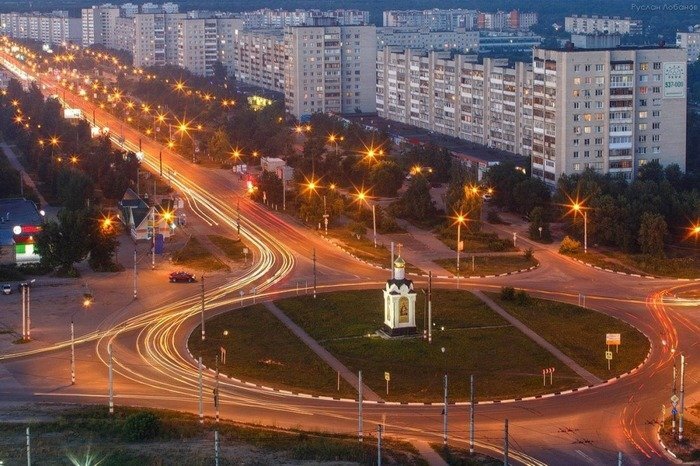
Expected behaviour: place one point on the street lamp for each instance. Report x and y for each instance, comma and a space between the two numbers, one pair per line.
459, 220
578, 207
363, 197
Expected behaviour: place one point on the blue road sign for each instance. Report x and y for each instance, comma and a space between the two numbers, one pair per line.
674, 411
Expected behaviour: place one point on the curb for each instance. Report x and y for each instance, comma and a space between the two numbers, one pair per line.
669, 454
637, 275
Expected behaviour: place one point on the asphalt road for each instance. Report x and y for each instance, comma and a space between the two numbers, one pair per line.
153, 367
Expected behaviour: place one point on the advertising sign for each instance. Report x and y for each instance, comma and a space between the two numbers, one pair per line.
674, 80
72, 113
612, 339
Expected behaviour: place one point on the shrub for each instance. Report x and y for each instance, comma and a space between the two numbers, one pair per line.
529, 254
497, 245
140, 427
507, 293
569, 245
358, 229
521, 297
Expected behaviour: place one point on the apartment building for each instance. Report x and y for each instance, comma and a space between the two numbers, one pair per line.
98, 24
203, 41
611, 110
445, 20
602, 25
260, 57
150, 37
267, 18
487, 103
427, 39
690, 42
50, 28
330, 69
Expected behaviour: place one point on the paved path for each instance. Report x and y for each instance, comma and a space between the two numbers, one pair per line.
426, 451
329, 359
14, 161
590, 378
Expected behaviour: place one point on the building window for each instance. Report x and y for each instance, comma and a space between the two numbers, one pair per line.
656, 113
656, 138
575, 154
599, 67
577, 81
656, 125
644, 66
586, 153
656, 150
642, 138
577, 167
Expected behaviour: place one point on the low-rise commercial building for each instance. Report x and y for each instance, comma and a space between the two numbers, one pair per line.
602, 25
20, 221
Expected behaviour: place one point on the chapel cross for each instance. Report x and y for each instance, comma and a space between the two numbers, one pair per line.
398, 247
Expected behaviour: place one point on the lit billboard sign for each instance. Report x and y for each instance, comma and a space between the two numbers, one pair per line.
674, 80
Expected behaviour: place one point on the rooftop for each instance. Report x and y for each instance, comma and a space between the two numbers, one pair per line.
609, 49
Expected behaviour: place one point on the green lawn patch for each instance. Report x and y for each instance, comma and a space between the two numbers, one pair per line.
196, 256
674, 267
73, 435
688, 449
580, 334
487, 265
262, 350
233, 248
477, 341
477, 241
364, 249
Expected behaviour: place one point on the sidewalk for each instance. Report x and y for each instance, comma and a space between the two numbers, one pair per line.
590, 378
327, 357
14, 161
426, 451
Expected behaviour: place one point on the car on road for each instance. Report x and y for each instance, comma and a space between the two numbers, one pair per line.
6, 289
182, 277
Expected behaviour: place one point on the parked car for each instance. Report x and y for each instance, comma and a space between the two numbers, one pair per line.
180, 277
6, 289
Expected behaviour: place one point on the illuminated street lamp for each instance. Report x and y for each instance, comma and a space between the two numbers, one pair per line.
363, 197
578, 207
459, 220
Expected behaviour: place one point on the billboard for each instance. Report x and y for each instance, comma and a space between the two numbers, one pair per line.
674, 80
72, 113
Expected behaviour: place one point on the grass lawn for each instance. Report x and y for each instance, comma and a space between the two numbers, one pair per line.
580, 334
365, 250
262, 350
454, 456
486, 265
675, 267
233, 248
475, 242
477, 341
197, 257
89, 435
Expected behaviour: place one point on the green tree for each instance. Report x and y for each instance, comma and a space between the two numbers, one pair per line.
103, 244
416, 203
652, 231
219, 146
537, 221
386, 178
61, 244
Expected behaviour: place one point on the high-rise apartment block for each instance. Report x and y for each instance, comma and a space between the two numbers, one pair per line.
203, 41
607, 109
259, 58
50, 28
602, 25
330, 69
690, 42
98, 25
487, 103
267, 18
446, 20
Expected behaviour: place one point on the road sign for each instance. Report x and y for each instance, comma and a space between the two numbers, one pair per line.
674, 399
674, 411
387, 376
608, 355
612, 339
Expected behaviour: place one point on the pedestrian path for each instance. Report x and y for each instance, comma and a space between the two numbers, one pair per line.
327, 357
426, 451
14, 161
590, 378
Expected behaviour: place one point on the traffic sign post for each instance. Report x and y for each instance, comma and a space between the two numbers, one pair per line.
387, 377
608, 356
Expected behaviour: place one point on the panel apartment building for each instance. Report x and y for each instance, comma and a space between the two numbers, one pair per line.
259, 58
602, 25
330, 69
203, 41
608, 109
98, 24
690, 42
449, 93
49, 28
446, 20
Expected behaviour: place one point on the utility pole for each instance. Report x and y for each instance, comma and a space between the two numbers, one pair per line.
619, 458
374, 224
216, 447
201, 400
160, 162
680, 417
216, 389
153, 231
24, 313
111, 380
72, 353
505, 445
391, 266
674, 399
314, 273
444, 415
135, 275
203, 334
471, 414
29, 313
430, 307
359, 406
379, 445
29, 449
238, 218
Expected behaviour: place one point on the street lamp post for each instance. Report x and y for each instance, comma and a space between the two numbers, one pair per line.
578, 207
